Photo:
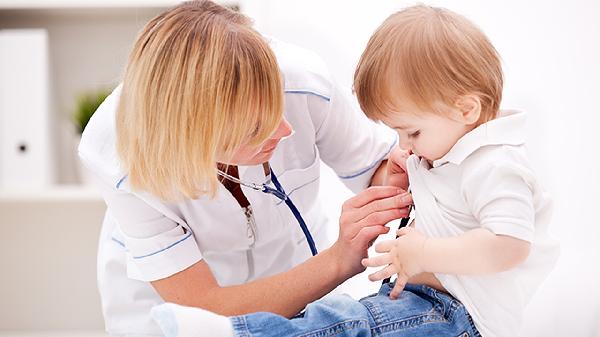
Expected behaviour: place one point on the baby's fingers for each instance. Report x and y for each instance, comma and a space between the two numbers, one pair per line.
377, 261
399, 286
382, 273
384, 246
404, 230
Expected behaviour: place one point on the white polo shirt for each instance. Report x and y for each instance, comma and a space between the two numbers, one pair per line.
145, 239
486, 181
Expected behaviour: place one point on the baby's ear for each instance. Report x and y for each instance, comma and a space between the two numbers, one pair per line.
469, 108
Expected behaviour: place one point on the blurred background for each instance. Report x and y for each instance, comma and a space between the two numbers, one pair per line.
59, 58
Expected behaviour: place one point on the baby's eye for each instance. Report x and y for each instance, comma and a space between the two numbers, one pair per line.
414, 134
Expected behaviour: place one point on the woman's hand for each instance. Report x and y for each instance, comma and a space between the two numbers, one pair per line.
363, 219
403, 256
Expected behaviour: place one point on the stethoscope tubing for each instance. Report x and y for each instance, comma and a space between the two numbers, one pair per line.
403, 223
279, 193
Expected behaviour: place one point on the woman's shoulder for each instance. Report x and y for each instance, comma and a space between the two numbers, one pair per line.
97, 149
302, 69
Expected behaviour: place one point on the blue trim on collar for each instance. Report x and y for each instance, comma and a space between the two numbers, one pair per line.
121, 181
308, 92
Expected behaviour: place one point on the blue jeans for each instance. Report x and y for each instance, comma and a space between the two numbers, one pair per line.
419, 311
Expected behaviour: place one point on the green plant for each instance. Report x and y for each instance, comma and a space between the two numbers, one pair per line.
87, 104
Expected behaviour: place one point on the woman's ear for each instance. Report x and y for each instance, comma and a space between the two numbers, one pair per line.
469, 108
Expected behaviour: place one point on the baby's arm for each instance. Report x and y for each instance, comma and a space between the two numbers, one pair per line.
475, 252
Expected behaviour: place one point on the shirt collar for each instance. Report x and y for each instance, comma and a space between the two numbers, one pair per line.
257, 174
507, 129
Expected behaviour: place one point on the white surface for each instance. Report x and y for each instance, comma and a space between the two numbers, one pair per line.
58, 193
41, 4
48, 263
57, 333
550, 51
24, 109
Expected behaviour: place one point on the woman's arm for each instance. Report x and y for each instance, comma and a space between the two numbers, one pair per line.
284, 294
363, 219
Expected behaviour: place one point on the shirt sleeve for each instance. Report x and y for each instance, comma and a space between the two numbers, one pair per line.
350, 143
157, 246
501, 198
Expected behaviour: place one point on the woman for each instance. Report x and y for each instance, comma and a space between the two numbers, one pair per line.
207, 102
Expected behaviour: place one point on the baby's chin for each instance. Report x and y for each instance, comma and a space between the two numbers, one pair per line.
418, 155
422, 157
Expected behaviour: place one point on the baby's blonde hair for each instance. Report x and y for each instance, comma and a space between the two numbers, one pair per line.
199, 82
430, 56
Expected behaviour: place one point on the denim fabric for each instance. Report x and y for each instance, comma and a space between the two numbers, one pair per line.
420, 311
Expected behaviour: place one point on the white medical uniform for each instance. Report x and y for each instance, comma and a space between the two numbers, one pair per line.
486, 180
145, 239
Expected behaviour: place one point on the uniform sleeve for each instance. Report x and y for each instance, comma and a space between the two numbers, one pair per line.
157, 246
501, 198
350, 143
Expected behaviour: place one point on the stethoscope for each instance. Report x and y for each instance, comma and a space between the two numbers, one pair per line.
278, 192
403, 223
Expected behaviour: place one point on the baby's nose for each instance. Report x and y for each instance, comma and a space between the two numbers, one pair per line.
406, 146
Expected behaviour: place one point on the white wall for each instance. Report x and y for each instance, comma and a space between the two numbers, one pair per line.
550, 51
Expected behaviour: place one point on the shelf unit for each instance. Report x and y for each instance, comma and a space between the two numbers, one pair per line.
89, 42
50, 234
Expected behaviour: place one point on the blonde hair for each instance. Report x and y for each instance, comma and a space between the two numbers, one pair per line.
429, 56
199, 82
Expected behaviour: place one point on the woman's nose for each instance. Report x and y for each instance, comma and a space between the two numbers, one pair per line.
284, 130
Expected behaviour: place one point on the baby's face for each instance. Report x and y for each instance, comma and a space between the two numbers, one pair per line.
426, 134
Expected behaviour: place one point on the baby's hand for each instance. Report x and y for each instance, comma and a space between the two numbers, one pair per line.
396, 168
402, 256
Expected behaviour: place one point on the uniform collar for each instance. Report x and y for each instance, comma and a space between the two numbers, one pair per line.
257, 174
507, 129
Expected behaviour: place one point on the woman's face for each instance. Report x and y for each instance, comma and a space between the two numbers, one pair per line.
247, 155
